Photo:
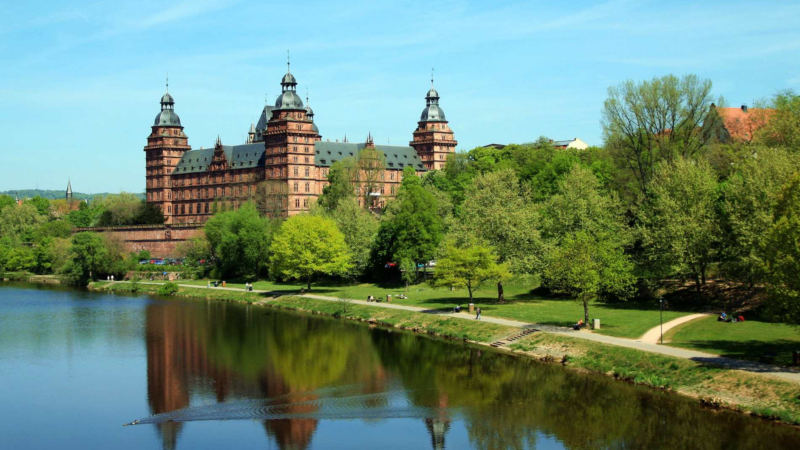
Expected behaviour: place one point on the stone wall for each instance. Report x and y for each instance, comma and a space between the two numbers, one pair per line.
160, 240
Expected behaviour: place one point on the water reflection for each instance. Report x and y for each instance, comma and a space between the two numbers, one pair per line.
207, 353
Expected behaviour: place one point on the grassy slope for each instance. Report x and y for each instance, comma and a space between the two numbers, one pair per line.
744, 340
768, 397
630, 320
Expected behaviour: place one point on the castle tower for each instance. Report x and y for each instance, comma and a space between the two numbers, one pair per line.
165, 146
433, 138
289, 143
251, 134
68, 195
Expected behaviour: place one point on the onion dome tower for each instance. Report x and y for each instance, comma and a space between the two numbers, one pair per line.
165, 146
310, 114
289, 141
433, 138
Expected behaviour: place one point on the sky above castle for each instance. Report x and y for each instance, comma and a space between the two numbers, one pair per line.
80, 81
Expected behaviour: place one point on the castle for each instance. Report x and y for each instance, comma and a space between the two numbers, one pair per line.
284, 153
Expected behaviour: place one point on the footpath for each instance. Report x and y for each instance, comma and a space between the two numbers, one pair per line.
643, 344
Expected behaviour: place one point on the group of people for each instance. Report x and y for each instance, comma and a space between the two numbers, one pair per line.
248, 287
725, 318
109, 277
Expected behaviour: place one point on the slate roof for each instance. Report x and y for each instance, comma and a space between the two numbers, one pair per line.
397, 157
247, 156
244, 156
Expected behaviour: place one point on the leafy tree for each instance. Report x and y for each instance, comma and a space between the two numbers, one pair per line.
498, 211
240, 240
658, 120
783, 256
89, 258
306, 246
20, 221
118, 209
271, 198
85, 216
142, 255
53, 229
6, 200
782, 128
586, 235
749, 199
359, 227
339, 187
20, 259
679, 222
584, 265
412, 229
148, 214
59, 254
42, 205
468, 267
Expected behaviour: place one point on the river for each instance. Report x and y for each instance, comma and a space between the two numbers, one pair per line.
77, 365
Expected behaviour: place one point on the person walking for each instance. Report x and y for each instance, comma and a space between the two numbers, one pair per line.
478, 314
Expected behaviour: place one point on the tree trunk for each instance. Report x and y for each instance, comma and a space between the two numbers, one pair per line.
697, 282
309, 284
500, 297
469, 289
585, 311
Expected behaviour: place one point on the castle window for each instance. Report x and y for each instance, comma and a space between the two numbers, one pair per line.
206, 208
392, 189
169, 209
294, 158
296, 186
306, 159
391, 176
305, 203
190, 209
308, 187
382, 190
307, 171
295, 171
297, 203
183, 209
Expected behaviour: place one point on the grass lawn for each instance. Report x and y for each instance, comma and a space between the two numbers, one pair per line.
749, 340
629, 320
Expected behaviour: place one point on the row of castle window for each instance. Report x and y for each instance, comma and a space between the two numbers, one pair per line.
297, 203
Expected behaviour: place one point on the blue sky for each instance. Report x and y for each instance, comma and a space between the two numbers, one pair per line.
80, 81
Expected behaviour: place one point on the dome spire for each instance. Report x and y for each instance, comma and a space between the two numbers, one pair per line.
167, 82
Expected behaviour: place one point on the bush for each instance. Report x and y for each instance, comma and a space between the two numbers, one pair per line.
168, 289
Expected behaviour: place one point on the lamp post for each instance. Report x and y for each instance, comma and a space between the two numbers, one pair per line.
661, 302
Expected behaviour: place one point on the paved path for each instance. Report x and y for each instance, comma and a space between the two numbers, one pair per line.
654, 335
706, 358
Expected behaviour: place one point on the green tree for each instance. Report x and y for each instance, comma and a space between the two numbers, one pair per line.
498, 211
6, 200
468, 267
306, 246
749, 199
584, 265
360, 228
782, 128
586, 235
339, 187
89, 258
658, 120
679, 222
42, 205
412, 229
783, 256
19, 222
367, 173
240, 240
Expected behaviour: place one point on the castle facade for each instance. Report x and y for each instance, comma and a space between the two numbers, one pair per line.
284, 154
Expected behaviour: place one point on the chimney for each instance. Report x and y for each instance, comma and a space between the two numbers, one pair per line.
744, 108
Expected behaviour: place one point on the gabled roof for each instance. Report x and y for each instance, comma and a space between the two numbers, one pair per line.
743, 122
397, 157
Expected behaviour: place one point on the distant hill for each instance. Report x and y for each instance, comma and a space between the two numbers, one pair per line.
54, 195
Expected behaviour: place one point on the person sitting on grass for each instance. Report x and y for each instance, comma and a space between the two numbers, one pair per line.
722, 317
457, 309
578, 325
741, 318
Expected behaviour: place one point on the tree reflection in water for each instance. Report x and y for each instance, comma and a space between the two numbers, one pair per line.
232, 352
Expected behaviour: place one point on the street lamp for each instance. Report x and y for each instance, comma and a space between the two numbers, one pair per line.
661, 302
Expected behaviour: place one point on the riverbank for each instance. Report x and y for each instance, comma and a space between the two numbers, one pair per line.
757, 394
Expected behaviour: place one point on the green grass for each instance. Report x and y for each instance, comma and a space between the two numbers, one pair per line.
768, 397
750, 340
627, 319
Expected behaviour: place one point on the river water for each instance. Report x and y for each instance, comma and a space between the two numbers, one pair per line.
76, 365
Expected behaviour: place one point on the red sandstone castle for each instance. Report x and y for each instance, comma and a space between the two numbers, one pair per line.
285, 147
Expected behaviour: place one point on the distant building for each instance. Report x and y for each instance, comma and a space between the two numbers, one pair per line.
68, 194
741, 124
286, 147
571, 143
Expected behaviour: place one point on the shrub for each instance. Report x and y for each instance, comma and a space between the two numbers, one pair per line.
168, 289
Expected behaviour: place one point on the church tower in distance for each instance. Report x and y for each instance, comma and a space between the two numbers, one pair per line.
289, 143
165, 146
433, 138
